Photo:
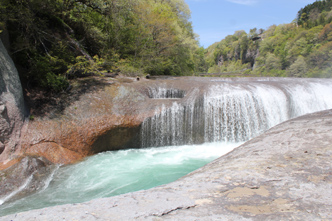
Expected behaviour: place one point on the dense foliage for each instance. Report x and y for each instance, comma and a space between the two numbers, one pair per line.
52, 40
302, 48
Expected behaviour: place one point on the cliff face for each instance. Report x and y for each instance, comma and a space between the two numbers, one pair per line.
11, 108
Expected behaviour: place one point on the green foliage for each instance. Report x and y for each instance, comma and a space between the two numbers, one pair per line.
314, 14
301, 49
298, 68
272, 62
56, 39
46, 71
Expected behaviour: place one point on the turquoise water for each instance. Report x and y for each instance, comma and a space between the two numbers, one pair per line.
117, 172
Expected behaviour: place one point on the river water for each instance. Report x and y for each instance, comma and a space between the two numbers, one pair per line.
117, 172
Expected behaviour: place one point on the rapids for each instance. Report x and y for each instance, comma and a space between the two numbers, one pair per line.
117, 172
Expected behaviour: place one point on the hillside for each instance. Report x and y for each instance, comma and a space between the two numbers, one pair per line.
55, 40
298, 49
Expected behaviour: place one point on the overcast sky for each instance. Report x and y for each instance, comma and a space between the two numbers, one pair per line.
213, 20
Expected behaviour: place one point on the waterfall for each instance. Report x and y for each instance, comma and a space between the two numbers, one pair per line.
164, 92
232, 111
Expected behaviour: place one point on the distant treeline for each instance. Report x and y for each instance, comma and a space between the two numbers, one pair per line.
302, 48
53, 40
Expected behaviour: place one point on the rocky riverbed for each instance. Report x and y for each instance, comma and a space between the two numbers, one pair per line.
282, 174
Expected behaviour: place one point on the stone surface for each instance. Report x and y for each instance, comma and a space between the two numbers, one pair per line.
281, 175
99, 121
11, 109
24, 177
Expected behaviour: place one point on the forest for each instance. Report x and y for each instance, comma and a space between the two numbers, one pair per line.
302, 48
54, 40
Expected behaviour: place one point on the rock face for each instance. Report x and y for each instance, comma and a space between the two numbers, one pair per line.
29, 173
11, 108
106, 119
283, 174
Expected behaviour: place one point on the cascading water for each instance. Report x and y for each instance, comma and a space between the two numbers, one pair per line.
165, 92
234, 111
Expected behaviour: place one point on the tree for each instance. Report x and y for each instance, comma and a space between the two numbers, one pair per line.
272, 62
56, 39
326, 33
298, 68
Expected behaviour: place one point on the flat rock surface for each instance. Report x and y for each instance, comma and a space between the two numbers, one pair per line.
284, 174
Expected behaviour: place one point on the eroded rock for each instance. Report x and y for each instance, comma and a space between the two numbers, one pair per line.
23, 178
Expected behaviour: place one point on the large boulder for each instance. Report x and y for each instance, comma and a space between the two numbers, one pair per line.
11, 109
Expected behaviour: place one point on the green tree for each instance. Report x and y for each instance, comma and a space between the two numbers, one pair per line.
152, 36
272, 62
298, 68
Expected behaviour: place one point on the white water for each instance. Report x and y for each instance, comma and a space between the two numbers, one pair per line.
234, 112
117, 172
25, 184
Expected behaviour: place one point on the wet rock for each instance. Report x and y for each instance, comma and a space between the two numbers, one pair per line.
117, 139
23, 178
110, 117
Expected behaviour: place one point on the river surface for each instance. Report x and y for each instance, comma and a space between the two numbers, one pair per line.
117, 172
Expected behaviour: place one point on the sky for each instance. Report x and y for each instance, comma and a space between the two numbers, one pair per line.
213, 20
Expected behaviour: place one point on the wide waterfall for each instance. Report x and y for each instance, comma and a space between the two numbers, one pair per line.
231, 111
